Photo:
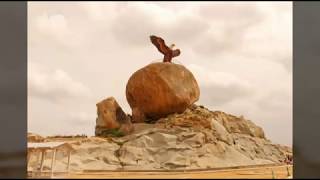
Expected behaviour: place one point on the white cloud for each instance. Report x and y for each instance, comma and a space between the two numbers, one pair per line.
81, 119
217, 88
56, 86
228, 24
55, 23
101, 11
137, 21
274, 35
255, 30
57, 27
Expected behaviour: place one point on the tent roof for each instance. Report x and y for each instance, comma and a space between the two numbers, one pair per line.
49, 145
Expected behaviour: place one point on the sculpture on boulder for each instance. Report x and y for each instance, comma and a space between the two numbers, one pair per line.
168, 52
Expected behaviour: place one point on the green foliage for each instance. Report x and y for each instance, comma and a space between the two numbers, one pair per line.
112, 132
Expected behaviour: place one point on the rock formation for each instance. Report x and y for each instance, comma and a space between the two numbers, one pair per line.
111, 119
31, 137
159, 89
195, 139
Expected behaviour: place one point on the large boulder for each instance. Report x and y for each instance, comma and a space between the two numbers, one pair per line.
159, 89
111, 119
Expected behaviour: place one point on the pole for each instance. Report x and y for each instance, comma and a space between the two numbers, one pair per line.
69, 154
38, 158
43, 153
53, 161
29, 156
37, 162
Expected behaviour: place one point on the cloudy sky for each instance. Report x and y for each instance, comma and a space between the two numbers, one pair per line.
82, 52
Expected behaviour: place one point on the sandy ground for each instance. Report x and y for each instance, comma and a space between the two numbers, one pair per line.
277, 172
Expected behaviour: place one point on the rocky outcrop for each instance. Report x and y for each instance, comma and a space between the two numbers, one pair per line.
159, 89
111, 119
195, 139
240, 125
199, 138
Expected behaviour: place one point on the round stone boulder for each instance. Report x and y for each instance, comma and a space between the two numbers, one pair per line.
160, 89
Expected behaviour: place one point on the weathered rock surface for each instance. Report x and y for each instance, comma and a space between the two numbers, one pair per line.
159, 89
112, 119
31, 137
195, 139
235, 124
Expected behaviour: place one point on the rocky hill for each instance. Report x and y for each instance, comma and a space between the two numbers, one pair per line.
195, 139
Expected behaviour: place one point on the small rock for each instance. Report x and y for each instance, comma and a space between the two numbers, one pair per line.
111, 119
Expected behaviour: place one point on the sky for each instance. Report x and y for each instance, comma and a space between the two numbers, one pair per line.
80, 53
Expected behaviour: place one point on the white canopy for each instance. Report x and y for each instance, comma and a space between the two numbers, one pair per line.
49, 145
42, 147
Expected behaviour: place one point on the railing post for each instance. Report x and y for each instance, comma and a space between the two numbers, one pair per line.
69, 154
53, 161
43, 154
28, 158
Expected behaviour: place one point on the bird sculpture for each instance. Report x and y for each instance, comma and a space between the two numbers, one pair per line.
168, 52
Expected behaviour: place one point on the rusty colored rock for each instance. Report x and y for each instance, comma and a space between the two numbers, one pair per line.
159, 89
